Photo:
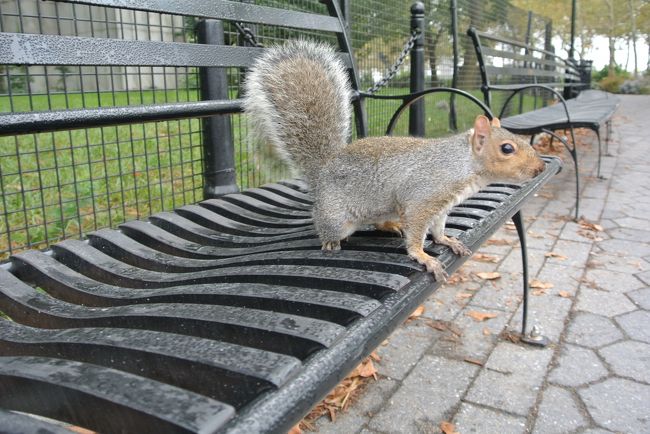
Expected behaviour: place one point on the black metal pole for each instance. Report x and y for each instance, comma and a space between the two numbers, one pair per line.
218, 146
453, 123
527, 52
573, 29
416, 111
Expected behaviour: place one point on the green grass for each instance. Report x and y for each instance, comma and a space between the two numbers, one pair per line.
65, 184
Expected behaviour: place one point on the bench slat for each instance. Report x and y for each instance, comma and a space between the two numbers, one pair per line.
102, 398
237, 373
226, 10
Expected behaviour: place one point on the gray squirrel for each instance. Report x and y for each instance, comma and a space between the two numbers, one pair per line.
297, 97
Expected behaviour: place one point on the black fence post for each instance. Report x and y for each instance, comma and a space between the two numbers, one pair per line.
416, 111
218, 146
453, 122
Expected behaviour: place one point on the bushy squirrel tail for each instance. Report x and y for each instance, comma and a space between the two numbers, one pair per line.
297, 97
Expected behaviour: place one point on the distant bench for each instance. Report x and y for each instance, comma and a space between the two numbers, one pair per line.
224, 316
513, 66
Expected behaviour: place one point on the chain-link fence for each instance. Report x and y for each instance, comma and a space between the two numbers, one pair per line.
66, 184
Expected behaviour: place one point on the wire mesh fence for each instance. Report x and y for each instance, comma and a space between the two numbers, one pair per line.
66, 184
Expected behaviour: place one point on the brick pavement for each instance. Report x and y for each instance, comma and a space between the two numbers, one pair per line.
595, 375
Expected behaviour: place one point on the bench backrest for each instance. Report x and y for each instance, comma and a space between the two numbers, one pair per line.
505, 62
210, 55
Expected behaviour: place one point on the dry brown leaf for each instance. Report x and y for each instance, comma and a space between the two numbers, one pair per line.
491, 275
535, 234
486, 331
473, 361
497, 242
80, 430
538, 284
586, 224
448, 428
463, 295
295, 430
366, 369
417, 312
483, 257
564, 294
539, 291
375, 357
438, 325
458, 277
480, 316
511, 336
556, 256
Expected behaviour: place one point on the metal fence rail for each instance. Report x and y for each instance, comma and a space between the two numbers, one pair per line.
65, 184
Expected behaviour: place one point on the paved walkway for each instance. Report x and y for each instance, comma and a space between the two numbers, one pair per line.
595, 376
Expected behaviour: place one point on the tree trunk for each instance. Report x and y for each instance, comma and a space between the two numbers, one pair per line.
432, 51
468, 74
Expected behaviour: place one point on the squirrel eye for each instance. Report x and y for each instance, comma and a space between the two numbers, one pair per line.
507, 148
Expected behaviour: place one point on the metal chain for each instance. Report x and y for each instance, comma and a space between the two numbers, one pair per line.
248, 35
398, 63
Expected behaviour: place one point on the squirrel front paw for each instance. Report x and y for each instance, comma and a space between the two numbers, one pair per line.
455, 245
331, 245
432, 265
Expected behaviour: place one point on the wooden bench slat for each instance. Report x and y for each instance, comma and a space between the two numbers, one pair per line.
226, 10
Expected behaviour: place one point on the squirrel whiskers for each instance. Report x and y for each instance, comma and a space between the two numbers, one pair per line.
297, 97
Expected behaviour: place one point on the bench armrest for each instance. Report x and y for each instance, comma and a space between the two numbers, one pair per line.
410, 98
515, 89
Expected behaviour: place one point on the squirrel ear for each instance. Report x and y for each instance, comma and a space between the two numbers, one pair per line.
496, 123
481, 132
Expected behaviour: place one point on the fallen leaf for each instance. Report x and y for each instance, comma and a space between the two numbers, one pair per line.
538, 284
463, 295
497, 242
366, 369
489, 275
511, 336
556, 256
590, 226
417, 312
458, 277
486, 331
295, 430
448, 428
564, 294
375, 357
480, 316
535, 234
438, 325
473, 361
483, 257
538, 292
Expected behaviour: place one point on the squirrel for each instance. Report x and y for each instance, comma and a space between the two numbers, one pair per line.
297, 97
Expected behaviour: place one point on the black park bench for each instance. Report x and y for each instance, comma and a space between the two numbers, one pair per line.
223, 316
513, 66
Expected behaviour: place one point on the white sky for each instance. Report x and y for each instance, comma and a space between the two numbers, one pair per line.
600, 54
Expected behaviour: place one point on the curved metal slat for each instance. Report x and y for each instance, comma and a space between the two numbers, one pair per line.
13, 422
237, 374
102, 399
250, 217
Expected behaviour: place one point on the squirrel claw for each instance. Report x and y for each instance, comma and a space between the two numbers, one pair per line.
455, 245
331, 245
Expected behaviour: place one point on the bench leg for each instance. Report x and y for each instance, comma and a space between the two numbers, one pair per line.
599, 153
608, 133
574, 154
534, 337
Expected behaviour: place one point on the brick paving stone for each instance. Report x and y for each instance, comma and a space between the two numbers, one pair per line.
558, 413
613, 280
577, 253
592, 331
619, 404
636, 325
473, 343
633, 223
641, 297
503, 294
444, 304
405, 347
548, 311
429, 393
511, 379
596, 431
473, 419
603, 302
629, 359
512, 262
625, 247
630, 235
369, 403
618, 262
645, 277
577, 366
